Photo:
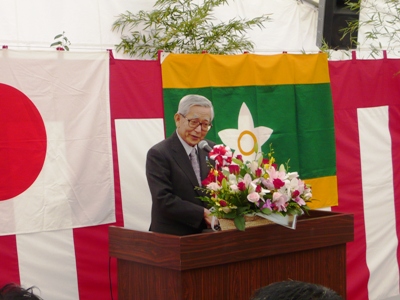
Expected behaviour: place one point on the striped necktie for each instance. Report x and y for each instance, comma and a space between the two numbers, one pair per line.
195, 164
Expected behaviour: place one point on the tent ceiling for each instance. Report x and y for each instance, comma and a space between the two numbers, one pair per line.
312, 2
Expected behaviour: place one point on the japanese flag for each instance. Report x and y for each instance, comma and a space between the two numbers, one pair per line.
55, 141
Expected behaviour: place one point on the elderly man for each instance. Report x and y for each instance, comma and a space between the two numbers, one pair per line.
171, 169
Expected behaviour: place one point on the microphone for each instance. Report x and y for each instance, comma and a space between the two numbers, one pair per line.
204, 145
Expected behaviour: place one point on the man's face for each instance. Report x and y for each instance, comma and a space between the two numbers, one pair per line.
190, 135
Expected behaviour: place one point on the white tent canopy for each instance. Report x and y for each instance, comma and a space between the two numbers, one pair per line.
87, 24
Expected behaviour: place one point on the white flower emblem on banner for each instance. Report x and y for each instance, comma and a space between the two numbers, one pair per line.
246, 136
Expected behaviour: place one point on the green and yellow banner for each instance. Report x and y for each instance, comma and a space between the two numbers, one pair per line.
283, 101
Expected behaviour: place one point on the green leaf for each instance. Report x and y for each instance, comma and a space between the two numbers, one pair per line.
56, 44
230, 215
242, 210
183, 26
224, 184
266, 211
239, 223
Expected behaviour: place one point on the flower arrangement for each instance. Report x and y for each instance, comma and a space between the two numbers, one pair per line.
235, 188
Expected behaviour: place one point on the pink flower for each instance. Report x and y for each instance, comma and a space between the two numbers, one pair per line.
247, 179
267, 204
268, 183
253, 197
273, 173
279, 201
300, 201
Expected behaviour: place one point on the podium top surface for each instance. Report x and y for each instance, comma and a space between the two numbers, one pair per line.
316, 230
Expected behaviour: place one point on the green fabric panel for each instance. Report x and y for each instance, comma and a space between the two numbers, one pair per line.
300, 115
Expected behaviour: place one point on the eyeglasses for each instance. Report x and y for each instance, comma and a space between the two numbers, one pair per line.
193, 123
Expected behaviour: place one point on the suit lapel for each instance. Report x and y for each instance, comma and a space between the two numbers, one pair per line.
182, 159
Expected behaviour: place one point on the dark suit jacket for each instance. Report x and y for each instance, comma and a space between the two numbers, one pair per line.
176, 209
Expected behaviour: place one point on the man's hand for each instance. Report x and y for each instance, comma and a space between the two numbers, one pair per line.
208, 218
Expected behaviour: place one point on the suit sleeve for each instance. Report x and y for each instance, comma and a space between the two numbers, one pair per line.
172, 193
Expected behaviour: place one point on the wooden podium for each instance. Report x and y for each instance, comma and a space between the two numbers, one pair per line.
231, 264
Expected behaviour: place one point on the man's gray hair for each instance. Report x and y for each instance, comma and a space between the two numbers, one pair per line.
191, 100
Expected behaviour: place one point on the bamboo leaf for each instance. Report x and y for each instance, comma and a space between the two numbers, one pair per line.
184, 27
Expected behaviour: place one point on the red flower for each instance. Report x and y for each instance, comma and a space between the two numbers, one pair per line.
239, 157
223, 203
218, 150
258, 188
210, 178
278, 183
295, 194
234, 169
205, 182
258, 172
265, 161
219, 161
220, 176
241, 186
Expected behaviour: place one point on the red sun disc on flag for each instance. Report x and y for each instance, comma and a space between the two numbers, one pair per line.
22, 142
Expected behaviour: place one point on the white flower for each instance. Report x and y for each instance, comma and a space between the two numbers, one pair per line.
252, 187
253, 166
226, 209
264, 191
246, 136
291, 186
214, 186
307, 195
232, 179
234, 188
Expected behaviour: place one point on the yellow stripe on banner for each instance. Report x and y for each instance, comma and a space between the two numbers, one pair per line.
324, 191
206, 70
